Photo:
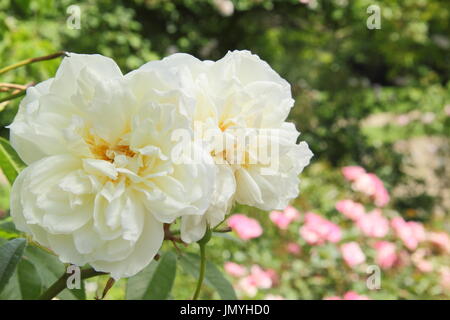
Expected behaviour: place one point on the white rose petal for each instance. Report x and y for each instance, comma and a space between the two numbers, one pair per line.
240, 94
101, 180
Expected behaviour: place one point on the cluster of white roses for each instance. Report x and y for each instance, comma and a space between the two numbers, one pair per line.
103, 174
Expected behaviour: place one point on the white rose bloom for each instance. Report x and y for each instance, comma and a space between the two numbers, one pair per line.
101, 179
240, 98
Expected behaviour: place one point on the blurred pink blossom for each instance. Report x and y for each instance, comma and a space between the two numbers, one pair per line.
332, 298
440, 240
445, 277
247, 286
352, 254
418, 258
403, 258
411, 233
291, 212
367, 183
245, 227
293, 248
350, 209
352, 295
318, 230
386, 255
372, 186
373, 224
257, 279
283, 218
272, 273
234, 269
381, 196
351, 173
262, 279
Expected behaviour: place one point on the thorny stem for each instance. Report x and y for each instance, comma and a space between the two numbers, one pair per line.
60, 284
32, 60
169, 235
108, 286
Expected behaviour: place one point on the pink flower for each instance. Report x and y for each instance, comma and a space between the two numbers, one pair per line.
247, 286
352, 172
234, 269
273, 275
279, 219
418, 230
403, 258
445, 277
440, 240
373, 224
371, 185
245, 227
381, 196
418, 258
411, 233
293, 248
261, 278
292, 213
318, 230
365, 184
352, 254
352, 295
386, 255
257, 279
332, 298
350, 209
283, 218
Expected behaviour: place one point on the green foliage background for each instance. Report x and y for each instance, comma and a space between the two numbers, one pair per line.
341, 74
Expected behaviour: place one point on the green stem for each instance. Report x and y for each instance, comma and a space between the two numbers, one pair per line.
202, 270
61, 284
202, 243
32, 60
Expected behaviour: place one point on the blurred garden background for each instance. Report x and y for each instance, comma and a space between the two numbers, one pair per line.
375, 99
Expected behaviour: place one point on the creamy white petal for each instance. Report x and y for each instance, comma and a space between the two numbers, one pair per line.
193, 227
142, 253
102, 179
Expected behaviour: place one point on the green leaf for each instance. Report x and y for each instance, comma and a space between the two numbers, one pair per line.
30, 282
51, 269
8, 229
10, 163
11, 290
213, 277
10, 254
155, 281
